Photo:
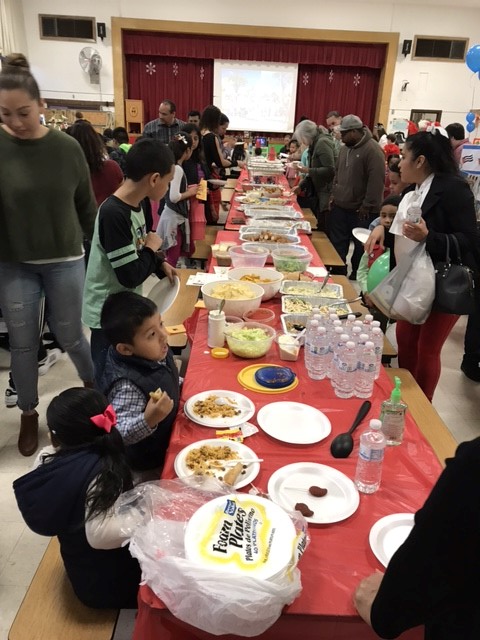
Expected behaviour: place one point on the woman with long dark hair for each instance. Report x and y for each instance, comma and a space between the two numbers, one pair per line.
106, 175
196, 169
447, 205
72, 495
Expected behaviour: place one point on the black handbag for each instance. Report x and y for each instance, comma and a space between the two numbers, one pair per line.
454, 284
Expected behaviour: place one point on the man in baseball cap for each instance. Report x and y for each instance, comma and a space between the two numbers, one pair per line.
358, 188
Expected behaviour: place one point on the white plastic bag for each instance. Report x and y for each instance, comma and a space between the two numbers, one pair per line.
214, 601
407, 293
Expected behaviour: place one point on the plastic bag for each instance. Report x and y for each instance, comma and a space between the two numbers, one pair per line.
212, 600
407, 293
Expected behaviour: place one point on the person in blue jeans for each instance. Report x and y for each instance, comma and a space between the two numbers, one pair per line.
47, 209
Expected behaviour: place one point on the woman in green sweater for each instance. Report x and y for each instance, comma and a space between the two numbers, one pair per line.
46, 208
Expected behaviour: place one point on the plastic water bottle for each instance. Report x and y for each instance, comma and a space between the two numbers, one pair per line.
355, 333
365, 378
377, 338
414, 213
349, 321
367, 321
311, 327
370, 458
337, 342
319, 354
346, 371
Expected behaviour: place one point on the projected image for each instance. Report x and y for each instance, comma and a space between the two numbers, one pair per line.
256, 96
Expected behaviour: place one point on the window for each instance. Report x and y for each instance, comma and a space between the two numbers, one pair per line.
425, 114
67, 28
444, 49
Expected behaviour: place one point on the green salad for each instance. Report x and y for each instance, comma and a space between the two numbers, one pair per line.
248, 342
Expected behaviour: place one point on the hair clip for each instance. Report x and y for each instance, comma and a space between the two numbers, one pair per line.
181, 138
105, 420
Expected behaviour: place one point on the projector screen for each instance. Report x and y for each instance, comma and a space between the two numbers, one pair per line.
256, 96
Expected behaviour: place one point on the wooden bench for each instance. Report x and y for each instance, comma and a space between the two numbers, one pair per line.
203, 247
311, 217
51, 611
325, 249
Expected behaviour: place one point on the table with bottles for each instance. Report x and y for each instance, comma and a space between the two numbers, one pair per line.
339, 554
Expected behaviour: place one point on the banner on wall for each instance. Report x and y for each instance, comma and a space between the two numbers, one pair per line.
470, 159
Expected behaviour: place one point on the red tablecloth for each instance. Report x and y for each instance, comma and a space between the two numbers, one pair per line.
339, 554
234, 211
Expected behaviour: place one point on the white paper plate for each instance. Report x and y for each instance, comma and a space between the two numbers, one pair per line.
164, 294
267, 536
294, 422
361, 234
244, 452
216, 182
244, 404
388, 534
340, 502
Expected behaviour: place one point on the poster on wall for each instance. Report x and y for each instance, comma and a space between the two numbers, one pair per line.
470, 159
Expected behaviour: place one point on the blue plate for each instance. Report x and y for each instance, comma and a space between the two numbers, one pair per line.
274, 377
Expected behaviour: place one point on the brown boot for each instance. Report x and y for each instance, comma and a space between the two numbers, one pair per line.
28, 438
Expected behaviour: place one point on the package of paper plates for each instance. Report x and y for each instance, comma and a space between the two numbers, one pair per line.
239, 555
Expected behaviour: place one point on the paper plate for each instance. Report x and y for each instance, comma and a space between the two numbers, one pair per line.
361, 234
217, 182
244, 404
388, 534
164, 294
244, 452
340, 502
246, 377
294, 422
241, 534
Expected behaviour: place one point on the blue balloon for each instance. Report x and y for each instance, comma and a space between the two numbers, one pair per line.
470, 127
472, 59
470, 117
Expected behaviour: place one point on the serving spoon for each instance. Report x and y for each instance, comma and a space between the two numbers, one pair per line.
342, 445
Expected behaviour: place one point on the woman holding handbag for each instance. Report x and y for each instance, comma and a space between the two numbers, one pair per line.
447, 207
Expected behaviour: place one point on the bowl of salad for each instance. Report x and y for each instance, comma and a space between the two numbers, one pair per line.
253, 340
291, 258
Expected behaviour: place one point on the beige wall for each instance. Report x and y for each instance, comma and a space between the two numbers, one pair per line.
450, 87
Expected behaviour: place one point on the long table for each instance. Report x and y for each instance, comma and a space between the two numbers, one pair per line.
339, 554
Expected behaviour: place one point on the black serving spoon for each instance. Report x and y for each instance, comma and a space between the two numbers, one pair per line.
342, 445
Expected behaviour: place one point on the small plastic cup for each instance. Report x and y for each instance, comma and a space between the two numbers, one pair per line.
288, 347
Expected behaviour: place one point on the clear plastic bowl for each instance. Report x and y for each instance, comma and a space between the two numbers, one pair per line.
262, 315
290, 259
242, 257
245, 348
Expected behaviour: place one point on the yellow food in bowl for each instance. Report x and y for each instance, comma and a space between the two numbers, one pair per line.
252, 277
232, 291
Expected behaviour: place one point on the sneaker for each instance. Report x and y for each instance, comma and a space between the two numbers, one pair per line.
10, 397
53, 355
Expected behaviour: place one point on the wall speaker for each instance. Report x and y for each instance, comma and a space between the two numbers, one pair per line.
406, 47
102, 30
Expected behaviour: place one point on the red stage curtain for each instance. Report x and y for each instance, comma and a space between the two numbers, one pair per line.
269, 50
347, 90
189, 83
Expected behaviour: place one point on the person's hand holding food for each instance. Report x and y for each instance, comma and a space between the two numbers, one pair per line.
158, 408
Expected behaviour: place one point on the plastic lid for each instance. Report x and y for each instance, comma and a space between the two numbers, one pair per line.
219, 352
363, 336
274, 377
375, 424
322, 330
396, 395
339, 330
350, 344
314, 323
351, 317
370, 345
345, 337
357, 330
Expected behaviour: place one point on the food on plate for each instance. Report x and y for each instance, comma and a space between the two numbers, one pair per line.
210, 408
317, 492
208, 460
304, 509
232, 474
232, 291
303, 290
156, 395
253, 277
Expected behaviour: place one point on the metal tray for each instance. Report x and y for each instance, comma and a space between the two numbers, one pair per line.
289, 319
289, 287
246, 233
285, 213
304, 305
248, 236
250, 223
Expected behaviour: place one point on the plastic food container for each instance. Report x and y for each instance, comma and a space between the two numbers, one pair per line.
294, 323
270, 288
288, 347
223, 259
262, 315
242, 256
300, 288
236, 307
246, 346
290, 259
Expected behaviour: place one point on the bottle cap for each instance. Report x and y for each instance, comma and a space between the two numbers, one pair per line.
396, 395
375, 424
219, 352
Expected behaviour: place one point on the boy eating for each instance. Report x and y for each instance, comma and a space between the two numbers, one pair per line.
140, 378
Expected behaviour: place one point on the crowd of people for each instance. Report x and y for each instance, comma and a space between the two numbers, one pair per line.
79, 236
